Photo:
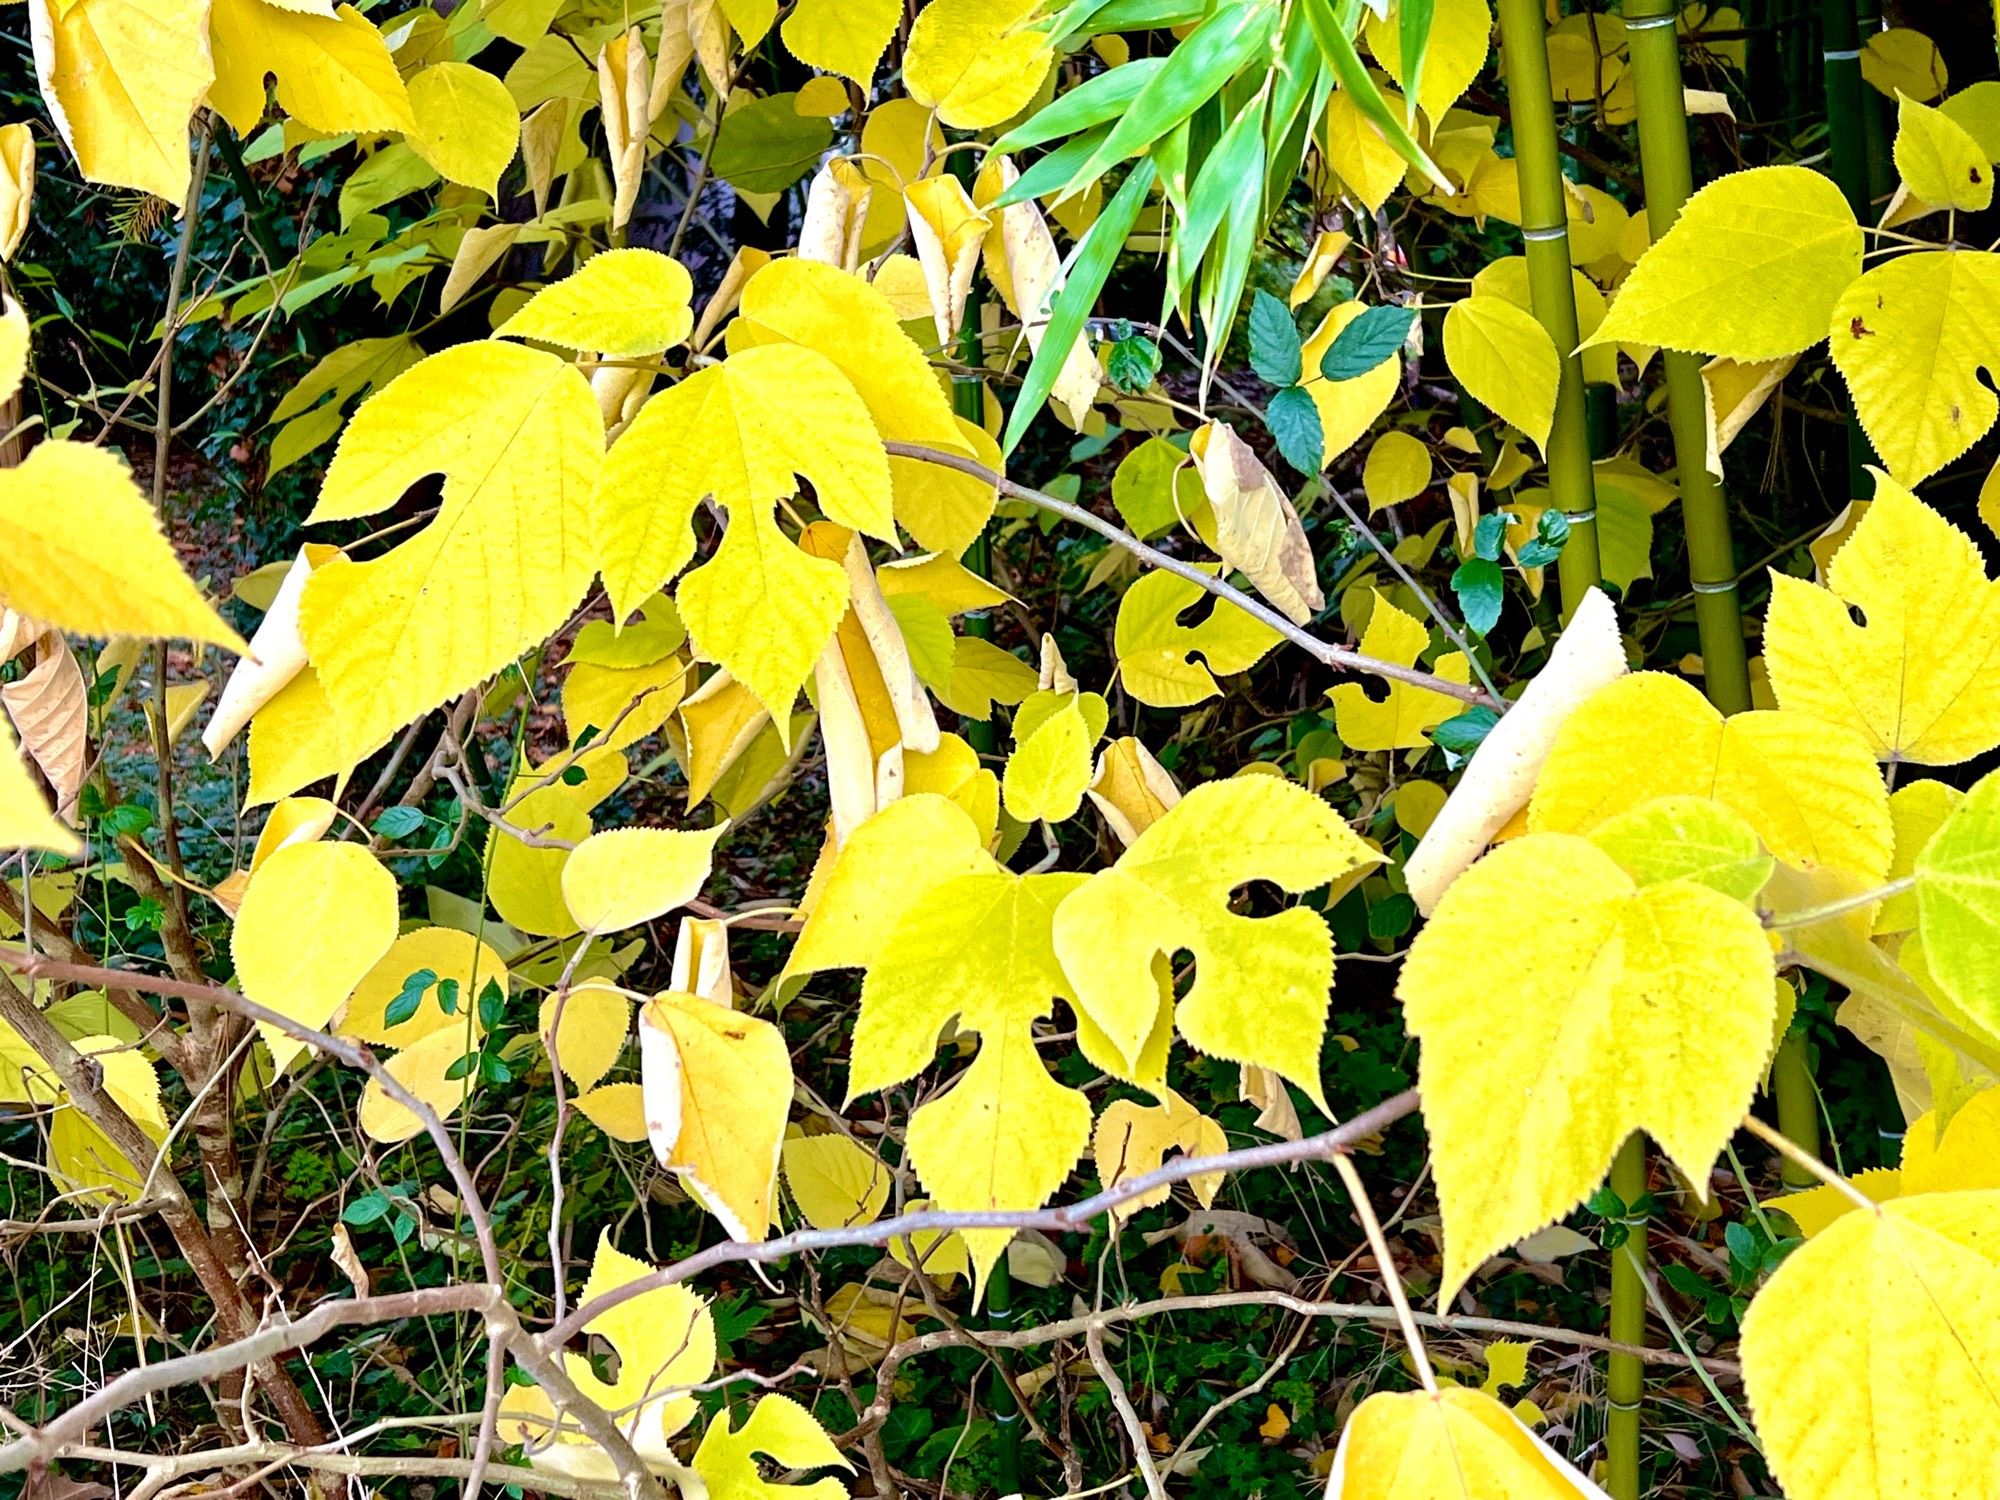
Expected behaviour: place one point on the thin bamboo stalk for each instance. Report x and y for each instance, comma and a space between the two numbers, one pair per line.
1545, 237
1625, 1378
1669, 177
1847, 155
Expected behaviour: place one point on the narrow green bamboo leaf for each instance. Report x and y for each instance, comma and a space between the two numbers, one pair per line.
1216, 185
1141, 15
1414, 23
1224, 276
1089, 268
1207, 58
1102, 98
1053, 170
1337, 45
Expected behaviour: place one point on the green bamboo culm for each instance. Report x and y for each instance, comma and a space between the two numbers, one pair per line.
1669, 180
1625, 1376
1847, 158
1545, 235
1874, 118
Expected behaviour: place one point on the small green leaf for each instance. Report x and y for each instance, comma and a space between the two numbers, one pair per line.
1551, 532
448, 996
492, 1000
1488, 535
409, 997
1132, 364
1464, 733
399, 822
460, 1067
1274, 342
1481, 589
1293, 418
1366, 342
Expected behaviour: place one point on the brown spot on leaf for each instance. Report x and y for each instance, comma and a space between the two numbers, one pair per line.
1860, 329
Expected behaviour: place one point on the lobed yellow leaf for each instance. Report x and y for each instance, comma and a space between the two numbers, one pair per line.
517, 436
777, 1429
1261, 984
1645, 1009
1133, 1139
1398, 720
1156, 652
1910, 337
333, 67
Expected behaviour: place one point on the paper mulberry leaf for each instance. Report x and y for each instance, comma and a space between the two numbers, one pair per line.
742, 432
517, 436
1261, 984
1643, 1009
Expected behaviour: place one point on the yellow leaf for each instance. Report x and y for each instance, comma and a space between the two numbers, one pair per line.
1901, 61
622, 303
1508, 277
1909, 337
973, 62
718, 1087
981, 675
1131, 788
1363, 159
1506, 1364
1876, 1336
1809, 789
1398, 469
1327, 248
617, 1109
846, 37
1732, 394
517, 436
294, 740
1347, 408
1939, 160
17, 191
81, 549
718, 724
835, 1182
783, 1432
446, 953
1050, 767
1133, 1139
121, 78
82, 1153
1648, 1009
953, 770
523, 881
1399, 720
1460, 1444
1917, 810
945, 509
1962, 1155
1505, 361
334, 70
948, 233
665, 1341
423, 1068
596, 1022
1007, 1134
1813, 1209
1461, 35
1156, 652
628, 876
1256, 530
25, 819
466, 124
1751, 269
1958, 904
312, 925
1920, 681
1275, 1425
598, 697
739, 432
276, 656
1261, 984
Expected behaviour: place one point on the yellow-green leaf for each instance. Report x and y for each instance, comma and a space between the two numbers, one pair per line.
1156, 652
1460, 1444
517, 436
1398, 720
627, 876
1910, 338
974, 62
619, 303
1049, 769
1751, 269
835, 1182
1920, 680
1872, 1357
466, 124
1687, 838
1261, 983
780, 1430
1506, 362
1644, 1009
1939, 160
1958, 903
81, 548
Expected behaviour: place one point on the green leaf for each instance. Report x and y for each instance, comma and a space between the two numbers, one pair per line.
1466, 732
1414, 24
1366, 342
1133, 362
1236, 157
1551, 532
1049, 173
1489, 534
409, 997
1336, 43
1090, 103
1206, 59
767, 145
1274, 342
1481, 589
1958, 903
399, 822
492, 1000
1090, 268
1293, 418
